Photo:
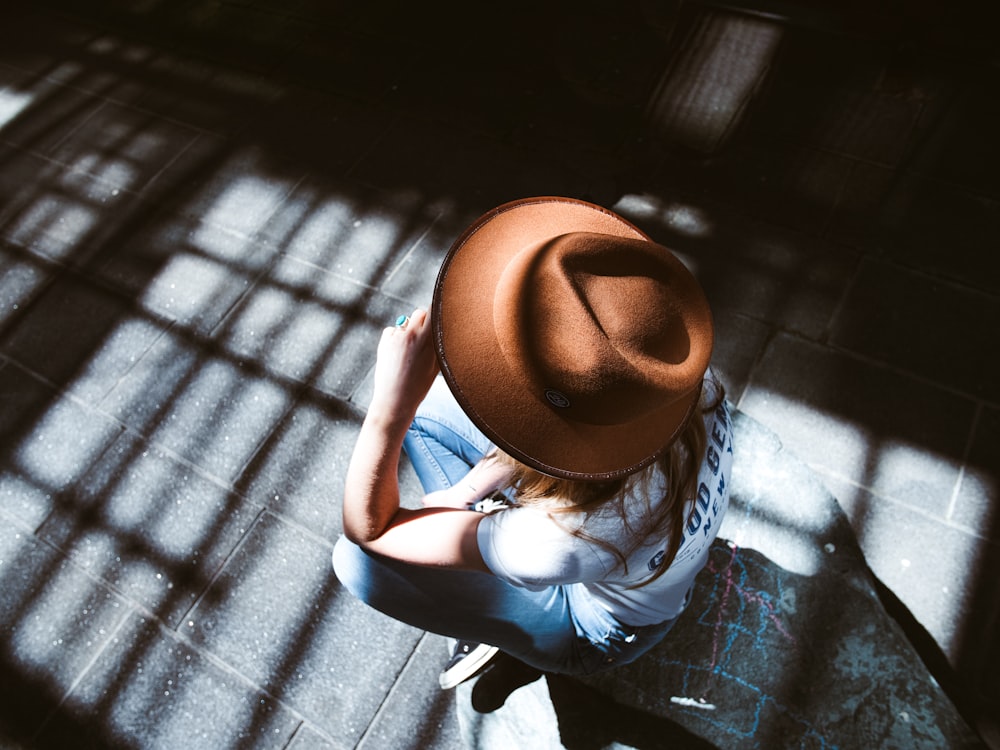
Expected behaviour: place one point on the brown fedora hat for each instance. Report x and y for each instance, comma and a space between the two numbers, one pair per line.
572, 340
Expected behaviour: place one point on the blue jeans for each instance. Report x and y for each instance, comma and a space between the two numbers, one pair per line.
558, 629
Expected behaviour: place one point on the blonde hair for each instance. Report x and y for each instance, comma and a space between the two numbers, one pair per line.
679, 466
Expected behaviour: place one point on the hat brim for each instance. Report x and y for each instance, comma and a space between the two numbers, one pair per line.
476, 371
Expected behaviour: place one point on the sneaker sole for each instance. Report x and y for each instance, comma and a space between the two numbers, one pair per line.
478, 658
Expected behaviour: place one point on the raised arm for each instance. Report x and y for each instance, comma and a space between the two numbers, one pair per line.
404, 370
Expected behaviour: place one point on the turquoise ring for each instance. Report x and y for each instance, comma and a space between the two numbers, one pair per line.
402, 320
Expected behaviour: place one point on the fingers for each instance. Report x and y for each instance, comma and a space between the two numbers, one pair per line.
417, 319
413, 322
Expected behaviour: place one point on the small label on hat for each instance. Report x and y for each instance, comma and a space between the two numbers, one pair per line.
557, 399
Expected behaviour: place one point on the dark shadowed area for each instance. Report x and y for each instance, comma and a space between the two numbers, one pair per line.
210, 209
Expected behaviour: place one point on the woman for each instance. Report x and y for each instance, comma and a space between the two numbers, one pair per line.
562, 377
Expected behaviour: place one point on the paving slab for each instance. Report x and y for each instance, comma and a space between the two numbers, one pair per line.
55, 621
781, 277
56, 214
277, 616
150, 689
108, 337
890, 433
958, 147
941, 592
942, 229
415, 717
445, 160
919, 323
150, 526
739, 341
299, 472
122, 145
974, 501
183, 271
49, 445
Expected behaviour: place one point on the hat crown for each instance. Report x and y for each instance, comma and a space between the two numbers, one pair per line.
602, 328
569, 338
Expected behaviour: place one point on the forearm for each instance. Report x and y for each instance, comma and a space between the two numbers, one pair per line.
374, 520
371, 492
482, 480
405, 367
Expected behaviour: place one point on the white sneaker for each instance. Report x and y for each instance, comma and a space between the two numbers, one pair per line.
466, 660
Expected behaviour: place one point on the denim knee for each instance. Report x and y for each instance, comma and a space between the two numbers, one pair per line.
349, 562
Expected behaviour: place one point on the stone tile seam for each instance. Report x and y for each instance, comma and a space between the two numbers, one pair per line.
62, 393
293, 387
257, 237
87, 91
838, 308
873, 362
151, 182
948, 523
956, 285
79, 123
177, 633
68, 168
165, 331
216, 574
228, 669
802, 142
778, 330
97, 282
977, 403
772, 333
306, 724
70, 560
297, 393
125, 429
262, 278
372, 147
218, 661
966, 453
98, 653
352, 400
823, 230
408, 254
133, 607
137, 606
384, 706
284, 286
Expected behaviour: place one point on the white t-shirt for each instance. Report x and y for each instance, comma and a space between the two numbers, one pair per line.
525, 547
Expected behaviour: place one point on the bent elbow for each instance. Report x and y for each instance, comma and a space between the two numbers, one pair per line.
362, 534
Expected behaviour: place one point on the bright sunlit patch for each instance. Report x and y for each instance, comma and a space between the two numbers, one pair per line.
326, 226
61, 445
109, 172
62, 615
53, 226
12, 103
188, 286
687, 219
682, 218
242, 210
706, 92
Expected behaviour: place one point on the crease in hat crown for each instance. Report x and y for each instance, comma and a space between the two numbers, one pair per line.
570, 338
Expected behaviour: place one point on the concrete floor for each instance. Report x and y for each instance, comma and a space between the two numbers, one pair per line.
208, 211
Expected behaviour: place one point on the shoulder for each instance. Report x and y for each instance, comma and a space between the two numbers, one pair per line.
529, 546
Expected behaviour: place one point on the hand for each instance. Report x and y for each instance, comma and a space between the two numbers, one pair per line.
485, 478
405, 367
